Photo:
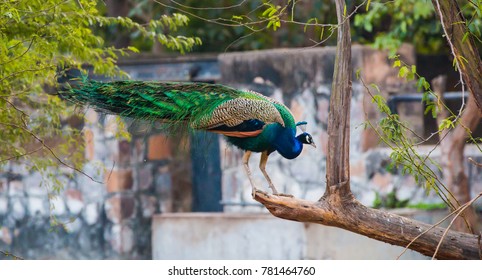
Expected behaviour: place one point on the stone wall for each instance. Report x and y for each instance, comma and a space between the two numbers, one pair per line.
107, 220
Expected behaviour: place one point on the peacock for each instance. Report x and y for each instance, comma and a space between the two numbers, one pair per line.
248, 119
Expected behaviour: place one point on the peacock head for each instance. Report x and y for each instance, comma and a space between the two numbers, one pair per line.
305, 137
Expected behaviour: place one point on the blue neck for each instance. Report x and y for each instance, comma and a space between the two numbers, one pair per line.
287, 144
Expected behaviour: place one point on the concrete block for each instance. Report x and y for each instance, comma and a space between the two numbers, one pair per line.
74, 225
16, 188
225, 236
148, 205
57, 206
3, 185
163, 181
138, 150
18, 210
3, 205
260, 236
91, 213
74, 201
5, 235
33, 185
144, 177
89, 143
120, 207
122, 239
159, 147
38, 206
119, 180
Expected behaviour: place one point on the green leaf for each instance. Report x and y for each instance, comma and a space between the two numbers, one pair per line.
133, 49
272, 12
397, 63
464, 38
315, 20
403, 72
322, 33
420, 83
375, 87
357, 73
446, 124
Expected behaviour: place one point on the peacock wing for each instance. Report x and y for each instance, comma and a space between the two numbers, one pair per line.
240, 117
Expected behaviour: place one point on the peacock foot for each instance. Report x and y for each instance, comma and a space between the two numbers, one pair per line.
275, 192
253, 191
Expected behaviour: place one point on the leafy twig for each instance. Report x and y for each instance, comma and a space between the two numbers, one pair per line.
22, 155
209, 8
41, 141
10, 255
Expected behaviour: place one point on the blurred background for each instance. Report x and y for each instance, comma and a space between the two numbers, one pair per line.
79, 184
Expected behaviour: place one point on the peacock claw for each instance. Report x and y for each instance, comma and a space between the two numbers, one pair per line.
275, 192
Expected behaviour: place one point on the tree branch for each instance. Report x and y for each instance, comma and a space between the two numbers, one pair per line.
474, 162
349, 214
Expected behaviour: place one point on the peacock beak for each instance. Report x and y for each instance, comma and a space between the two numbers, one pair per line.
313, 145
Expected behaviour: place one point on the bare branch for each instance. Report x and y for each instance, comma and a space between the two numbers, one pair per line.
10, 255
41, 141
478, 164
22, 155
459, 211
210, 8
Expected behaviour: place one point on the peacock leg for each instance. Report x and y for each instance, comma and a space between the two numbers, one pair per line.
248, 171
262, 166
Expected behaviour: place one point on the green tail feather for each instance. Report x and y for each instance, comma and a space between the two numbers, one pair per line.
169, 101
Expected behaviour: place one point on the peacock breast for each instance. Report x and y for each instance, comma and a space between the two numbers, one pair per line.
260, 143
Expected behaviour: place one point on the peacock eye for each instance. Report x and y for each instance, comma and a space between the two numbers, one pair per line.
308, 139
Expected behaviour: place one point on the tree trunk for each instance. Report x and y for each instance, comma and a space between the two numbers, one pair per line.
338, 206
452, 158
338, 157
463, 48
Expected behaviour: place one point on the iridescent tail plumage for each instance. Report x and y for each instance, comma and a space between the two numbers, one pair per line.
167, 101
